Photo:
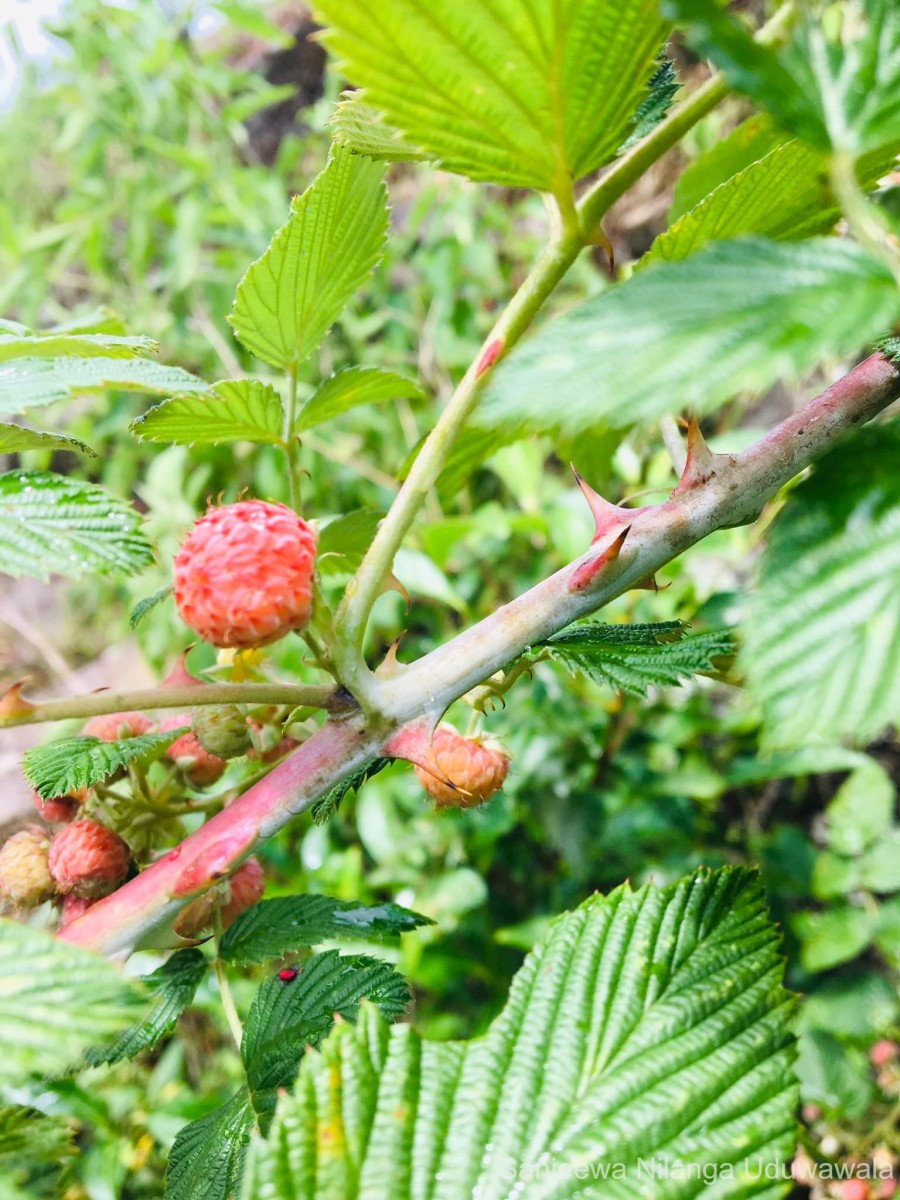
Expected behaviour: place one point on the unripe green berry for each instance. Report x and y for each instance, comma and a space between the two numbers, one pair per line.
222, 731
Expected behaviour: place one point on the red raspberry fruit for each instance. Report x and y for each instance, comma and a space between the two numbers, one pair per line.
88, 859
244, 574
61, 809
882, 1053
466, 772
72, 908
25, 878
232, 897
201, 768
114, 726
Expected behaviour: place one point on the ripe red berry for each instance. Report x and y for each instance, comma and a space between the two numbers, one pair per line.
232, 897
244, 574
60, 810
201, 768
465, 772
114, 726
88, 859
25, 879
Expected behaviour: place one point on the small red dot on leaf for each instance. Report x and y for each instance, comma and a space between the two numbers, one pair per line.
288, 974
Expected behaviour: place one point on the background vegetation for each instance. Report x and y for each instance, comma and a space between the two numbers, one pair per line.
143, 168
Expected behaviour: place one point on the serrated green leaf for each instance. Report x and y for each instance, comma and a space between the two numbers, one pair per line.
361, 128
343, 541
144, 606
326, 806
785, 196
837, 93
98, 320
172, 987
662, 89
84, 345
50, 524
289, 298
747, 143
234, 410
16, 438
287, 1016
29, 382
648, 1026
277, 927
349, 389
73, 763
41, 977
28, 1131
534, 95
207, 1159
632, 658
759, 311
822, 631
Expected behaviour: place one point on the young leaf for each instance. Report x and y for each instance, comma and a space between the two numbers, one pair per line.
822, 632
207, 1159
344, 541
785, 196
144, 606
648, 1027
349, 389
40, 978
631, 658
361, 128
836, 95
16, 438
290, 298
89, 345
663, 87
326, 806
287, 1016
29, 382
172, 987
51, 525
759, 311
79, 762
277, 927
528, 96
234, 410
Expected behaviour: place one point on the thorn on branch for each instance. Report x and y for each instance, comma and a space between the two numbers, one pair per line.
701, 464
607, 517
492, 352
586, 572
13, 703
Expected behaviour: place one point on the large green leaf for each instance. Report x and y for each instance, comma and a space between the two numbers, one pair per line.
234, 410
527, 95
42, 981
276, 927
349, 389
289, 298
344, 541
51, 525
838, 93
74, 763
649, 1027
172, 987
631, 658
735, 316
785, 195
822, 633
29, 382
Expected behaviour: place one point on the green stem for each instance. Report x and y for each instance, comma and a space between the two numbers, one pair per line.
290, 442
228, 1004
863, 219
193, 696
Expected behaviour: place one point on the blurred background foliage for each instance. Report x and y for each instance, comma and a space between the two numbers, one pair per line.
145, 162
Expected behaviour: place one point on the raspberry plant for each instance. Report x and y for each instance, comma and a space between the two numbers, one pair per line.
648, 1024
